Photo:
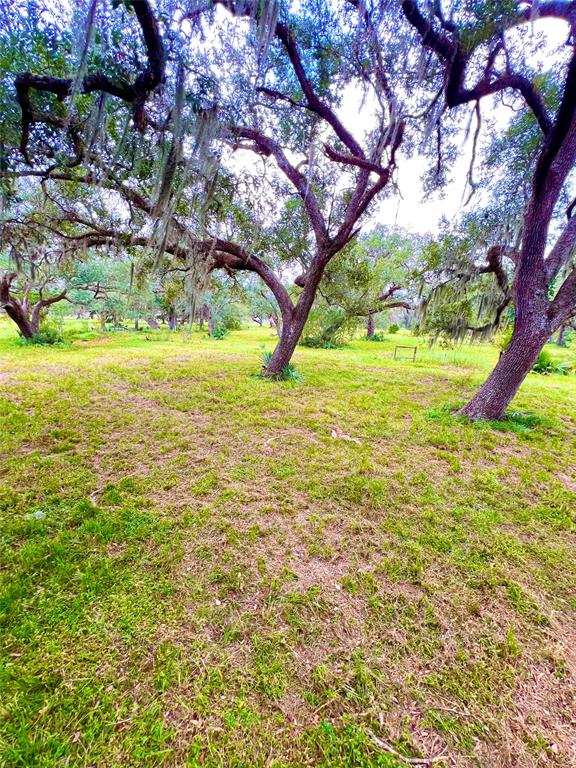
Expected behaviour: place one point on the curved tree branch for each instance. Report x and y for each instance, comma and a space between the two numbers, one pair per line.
135, 93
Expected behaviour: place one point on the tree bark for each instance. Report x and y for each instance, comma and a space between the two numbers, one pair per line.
172, 319
497, 392
152, 323
289, 338
561, 341
276, 323
294, 319
370, 327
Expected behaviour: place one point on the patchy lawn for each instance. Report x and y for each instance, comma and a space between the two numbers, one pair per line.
201, 568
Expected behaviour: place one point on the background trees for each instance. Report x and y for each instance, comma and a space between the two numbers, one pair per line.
372, 275
466, 277
278, 98
40, 267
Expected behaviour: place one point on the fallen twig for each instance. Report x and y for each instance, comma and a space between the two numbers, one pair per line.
409, 760
338, 434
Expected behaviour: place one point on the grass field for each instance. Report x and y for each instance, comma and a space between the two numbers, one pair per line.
200, 568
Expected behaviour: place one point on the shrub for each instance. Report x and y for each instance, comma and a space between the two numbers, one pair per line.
233, 323
327, 328
218, 333
394, 328
47, 335
377, 337
317, 342
545, 364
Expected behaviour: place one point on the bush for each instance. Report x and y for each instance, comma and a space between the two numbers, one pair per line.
317, 342
47, 335
228, 317
545, 364
327, 328
394, 328
218, 333
377, 337
233, 323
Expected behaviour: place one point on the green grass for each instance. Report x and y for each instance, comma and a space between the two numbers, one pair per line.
196, 572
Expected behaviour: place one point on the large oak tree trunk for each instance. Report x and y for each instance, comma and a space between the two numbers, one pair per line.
293, 322
14, 308
289, 338
494, 396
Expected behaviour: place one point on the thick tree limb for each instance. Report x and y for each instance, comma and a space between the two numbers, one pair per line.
562, 251
448, 47
313, 102
136, 93
270, 147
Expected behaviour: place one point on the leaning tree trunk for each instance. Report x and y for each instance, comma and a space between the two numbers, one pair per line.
561, 341
370, 327
14, 308
494, 396
293, 322
152, 323
18, 315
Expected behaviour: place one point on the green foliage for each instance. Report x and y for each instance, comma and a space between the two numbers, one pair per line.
394, 328
219, 332
546, 364
233, 322
359, 280
327, 327
569, 337
377, 337
503, 339
448, 316
48, 335
316, 342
